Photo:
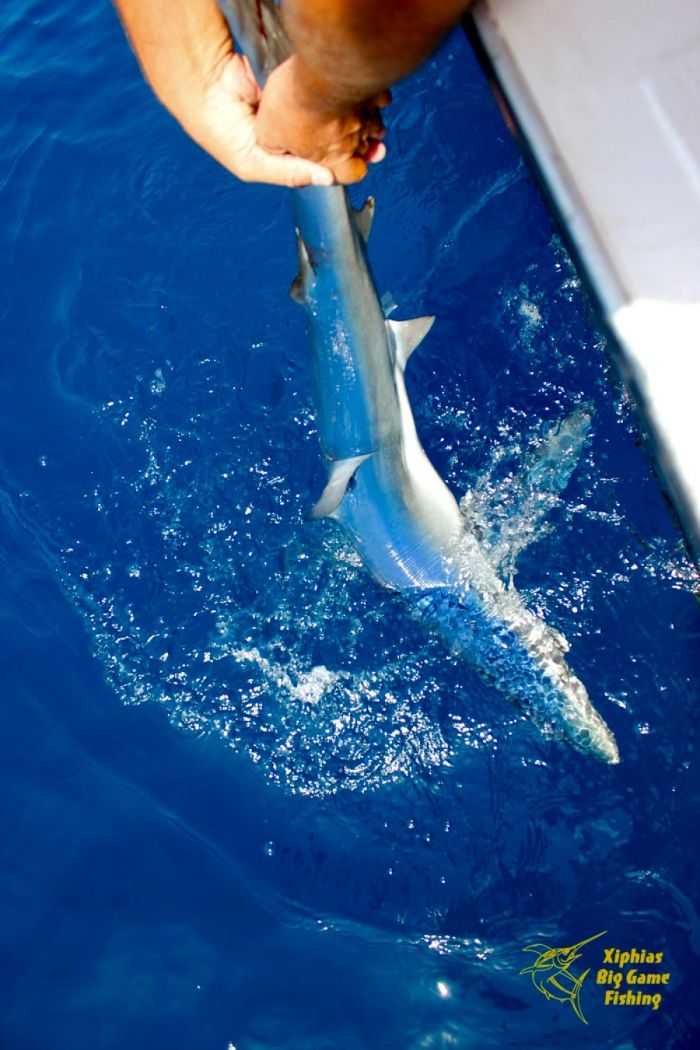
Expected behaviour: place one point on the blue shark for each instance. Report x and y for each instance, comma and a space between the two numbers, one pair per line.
382, 489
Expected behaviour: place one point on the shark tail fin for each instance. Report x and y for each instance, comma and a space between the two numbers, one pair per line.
342, 471
407, 335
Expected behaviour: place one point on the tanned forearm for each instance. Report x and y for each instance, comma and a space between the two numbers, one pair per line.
347, 51
186, 53
180, 45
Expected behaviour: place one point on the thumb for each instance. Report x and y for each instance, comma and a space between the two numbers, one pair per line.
287, 170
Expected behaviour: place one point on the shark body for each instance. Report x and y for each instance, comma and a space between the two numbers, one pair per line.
383, 490
401, 517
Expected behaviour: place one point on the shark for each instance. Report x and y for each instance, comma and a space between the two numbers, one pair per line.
382, 488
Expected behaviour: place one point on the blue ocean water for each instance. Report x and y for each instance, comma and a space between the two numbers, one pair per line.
245, 801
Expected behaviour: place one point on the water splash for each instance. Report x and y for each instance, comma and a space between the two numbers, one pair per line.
284, 649
507, 506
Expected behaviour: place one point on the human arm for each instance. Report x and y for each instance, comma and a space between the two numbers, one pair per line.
186, 53
321, 103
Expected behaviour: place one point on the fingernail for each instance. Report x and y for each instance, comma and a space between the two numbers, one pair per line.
377, 154
322, 178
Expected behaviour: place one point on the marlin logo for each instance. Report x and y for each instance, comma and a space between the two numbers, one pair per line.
551, 972
382, 488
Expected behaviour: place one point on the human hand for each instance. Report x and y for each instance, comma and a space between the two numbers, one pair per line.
223, 122
343, 138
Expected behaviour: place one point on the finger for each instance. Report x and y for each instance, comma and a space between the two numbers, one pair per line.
347, 143
369, 149
349, 170
382, 100
285, 170
376, 153
358, 142
373, 127
371, 136
237, 79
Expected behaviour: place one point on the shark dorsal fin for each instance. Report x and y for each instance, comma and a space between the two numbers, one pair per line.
407, 335
342, 471
305, 277
364, 217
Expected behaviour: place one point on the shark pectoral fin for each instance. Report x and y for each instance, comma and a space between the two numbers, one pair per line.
305, 278
407, 335
296, 290
332, 496
364, 218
